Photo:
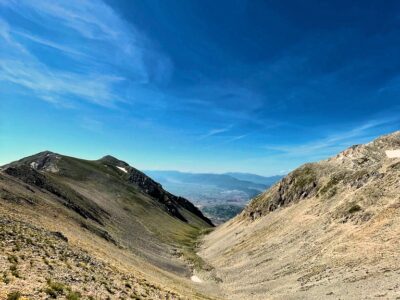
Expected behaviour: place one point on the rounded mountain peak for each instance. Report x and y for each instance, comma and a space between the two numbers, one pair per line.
109, 159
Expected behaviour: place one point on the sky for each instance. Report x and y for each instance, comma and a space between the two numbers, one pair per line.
200, 86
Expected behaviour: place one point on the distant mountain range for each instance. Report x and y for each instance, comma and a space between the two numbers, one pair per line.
220, 196
270, 180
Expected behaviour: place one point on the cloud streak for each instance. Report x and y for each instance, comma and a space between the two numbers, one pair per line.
48, 43
102, 53
334, 142
215, 131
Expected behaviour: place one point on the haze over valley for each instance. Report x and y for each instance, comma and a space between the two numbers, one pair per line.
199, 150
219, 196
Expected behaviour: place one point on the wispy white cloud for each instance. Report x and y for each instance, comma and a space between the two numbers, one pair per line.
48, 43
334, 142
105, 51
91, 124
52, 86
215, 131
236, 138
224, 100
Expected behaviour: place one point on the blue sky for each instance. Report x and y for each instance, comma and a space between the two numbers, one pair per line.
202, 86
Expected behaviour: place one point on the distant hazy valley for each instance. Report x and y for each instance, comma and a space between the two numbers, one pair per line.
100, 229
219, 196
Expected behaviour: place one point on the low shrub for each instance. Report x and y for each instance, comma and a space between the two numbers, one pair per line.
355, 208
14, 295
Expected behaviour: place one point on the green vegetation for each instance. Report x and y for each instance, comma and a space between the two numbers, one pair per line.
354, 208
185, 239
12, 259
55, 289
6, 279
17, 247
72, 194
14, 270
303, 177
73, 296
395, 166
189, 248
109, 290
104, 278
357, 176
222, 212
14, 295
330, 188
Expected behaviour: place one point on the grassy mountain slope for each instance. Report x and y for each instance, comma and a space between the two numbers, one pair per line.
328, 230
125, 235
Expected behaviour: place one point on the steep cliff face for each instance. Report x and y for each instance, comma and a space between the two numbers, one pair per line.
328, 229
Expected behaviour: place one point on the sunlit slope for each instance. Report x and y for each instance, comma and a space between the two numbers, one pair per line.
327, 230
109, 209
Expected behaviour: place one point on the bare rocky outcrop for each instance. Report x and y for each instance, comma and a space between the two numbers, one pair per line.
298, 185
350, 169
42, 161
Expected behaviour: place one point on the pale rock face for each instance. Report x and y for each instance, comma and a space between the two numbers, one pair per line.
34, 165
52, 168
393, 153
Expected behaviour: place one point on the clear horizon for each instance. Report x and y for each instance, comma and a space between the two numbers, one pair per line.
197, 86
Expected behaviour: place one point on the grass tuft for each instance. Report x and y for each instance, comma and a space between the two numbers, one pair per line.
355, 208
73, 296
14, 295
55, 288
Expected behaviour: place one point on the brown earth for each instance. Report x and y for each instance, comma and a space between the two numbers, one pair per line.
329, 230
76, 229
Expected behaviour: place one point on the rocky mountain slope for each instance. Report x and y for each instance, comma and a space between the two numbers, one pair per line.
79, 229
328, 230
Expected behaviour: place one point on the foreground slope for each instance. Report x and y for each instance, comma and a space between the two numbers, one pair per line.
327, 230
98, 228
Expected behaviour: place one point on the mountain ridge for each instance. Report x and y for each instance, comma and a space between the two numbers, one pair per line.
329, 229
115, 214
47, 161
353, 161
